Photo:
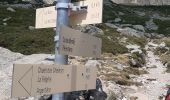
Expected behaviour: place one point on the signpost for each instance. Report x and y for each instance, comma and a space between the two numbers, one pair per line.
62, 8
46, 17
32, 80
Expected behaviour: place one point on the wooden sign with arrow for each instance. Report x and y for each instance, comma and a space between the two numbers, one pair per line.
32, 80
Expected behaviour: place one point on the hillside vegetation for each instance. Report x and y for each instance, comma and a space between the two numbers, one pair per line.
16, 35
138, 15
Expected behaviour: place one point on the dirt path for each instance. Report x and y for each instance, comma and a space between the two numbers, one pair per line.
155, 82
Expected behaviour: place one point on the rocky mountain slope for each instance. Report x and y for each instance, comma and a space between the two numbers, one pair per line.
143, 2
121, 79
135, 62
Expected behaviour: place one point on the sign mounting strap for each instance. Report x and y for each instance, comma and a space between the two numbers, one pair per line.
72, 6
63, 5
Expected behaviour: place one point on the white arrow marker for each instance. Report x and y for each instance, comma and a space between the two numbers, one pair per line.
26, 81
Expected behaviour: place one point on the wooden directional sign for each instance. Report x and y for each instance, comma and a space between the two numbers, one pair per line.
73, 42
93, 15
46, 17
32, 80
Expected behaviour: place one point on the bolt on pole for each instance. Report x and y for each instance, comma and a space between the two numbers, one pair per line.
62, 19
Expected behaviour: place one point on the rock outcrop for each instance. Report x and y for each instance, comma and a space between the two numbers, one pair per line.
142, 2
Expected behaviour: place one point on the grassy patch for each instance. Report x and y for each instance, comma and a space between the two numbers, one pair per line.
135, 40
112, 96
110, 41
164, 26
167, 42
122, 77
110, 46
139, 58
160, 51
166, 60
128, 83
134, 19
135, 71
125, 79
17, 37
108, 13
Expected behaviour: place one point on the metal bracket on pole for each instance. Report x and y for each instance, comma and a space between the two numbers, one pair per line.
63, 5
78, 9
56, 38
71, 6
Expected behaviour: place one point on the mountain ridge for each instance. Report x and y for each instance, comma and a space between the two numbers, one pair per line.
142, 2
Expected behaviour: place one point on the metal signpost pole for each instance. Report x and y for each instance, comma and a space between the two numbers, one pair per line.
62, 19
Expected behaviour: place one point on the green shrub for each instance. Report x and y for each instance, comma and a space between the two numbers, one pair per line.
160, 51
112, 96
135, 40
113, 47
134, 71
163, 26
167, 42
139, 57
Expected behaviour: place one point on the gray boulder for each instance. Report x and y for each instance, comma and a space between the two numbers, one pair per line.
6, 19
135, 63
121, 13
5, 24
25, 6
90, 29
130, 32
111, 25
31, 28
117, 20
11, 9
94, 63
139, 27
150, 25
156, 35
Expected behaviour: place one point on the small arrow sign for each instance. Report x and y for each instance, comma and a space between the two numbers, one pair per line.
26, 81
22, 78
